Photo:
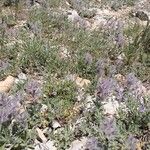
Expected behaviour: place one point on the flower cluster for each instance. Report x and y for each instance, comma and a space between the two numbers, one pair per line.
8, 106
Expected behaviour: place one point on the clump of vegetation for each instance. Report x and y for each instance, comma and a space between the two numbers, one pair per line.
46, 47
116, 4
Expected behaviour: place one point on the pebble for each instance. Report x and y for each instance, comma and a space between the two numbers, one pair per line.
49, 145
85, 143
110, 107
22, 78
44, 108
64, 53
55, 124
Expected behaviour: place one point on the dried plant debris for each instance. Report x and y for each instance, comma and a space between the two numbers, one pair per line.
82, 82
41, 135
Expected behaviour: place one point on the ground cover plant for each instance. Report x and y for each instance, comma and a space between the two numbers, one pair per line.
74, 75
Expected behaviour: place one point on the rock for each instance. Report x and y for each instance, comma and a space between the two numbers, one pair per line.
85, 143
49, 145
73, 16
21, 78
55, 124
64, 53
110, 107
58, 131
7, 84
121, 56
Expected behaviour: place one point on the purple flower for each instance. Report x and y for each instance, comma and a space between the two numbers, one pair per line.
112, 70
131, 79
93, 144
109, 127
132, 142
22, 118
3, 65
106, 87
88, 58
119, 38
101, 65
142, 108
119, 63
135, 87
8, 106
33, 88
